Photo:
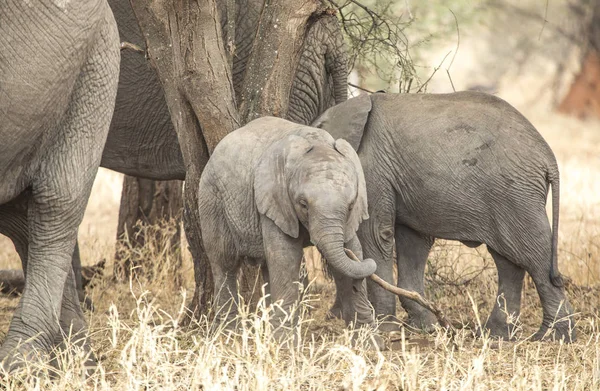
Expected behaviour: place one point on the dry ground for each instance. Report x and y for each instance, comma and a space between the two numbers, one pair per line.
137, 332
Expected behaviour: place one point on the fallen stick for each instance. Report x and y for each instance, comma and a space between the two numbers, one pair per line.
441, 318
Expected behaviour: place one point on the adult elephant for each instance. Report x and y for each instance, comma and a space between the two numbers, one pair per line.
465, 166
59, 64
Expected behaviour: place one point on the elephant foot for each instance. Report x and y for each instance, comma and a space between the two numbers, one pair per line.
563, 330
420, 319
13, 358
389, 324
498, 329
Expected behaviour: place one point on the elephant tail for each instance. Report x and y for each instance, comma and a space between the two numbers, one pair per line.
553, 178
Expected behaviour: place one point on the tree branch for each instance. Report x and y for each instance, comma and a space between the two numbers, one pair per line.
443, 321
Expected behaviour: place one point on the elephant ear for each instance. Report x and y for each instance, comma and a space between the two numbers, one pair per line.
271, 183
360, 211
346, 120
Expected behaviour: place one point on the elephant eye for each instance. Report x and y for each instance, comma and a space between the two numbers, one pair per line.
351, 206
303, 204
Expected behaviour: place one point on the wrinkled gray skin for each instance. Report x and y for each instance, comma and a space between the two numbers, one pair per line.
59, 64
465, 166
269, 189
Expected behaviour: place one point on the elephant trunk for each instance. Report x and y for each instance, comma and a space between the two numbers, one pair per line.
336, 59
329, 239
340, 88
339, 74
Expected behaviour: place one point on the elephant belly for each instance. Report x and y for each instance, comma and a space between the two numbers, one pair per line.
468, 222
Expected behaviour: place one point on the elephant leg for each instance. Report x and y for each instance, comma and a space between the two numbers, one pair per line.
557, 322
224, 265
508, 300
283, 255
72, 323
52, 226
412, 249
376, 236
352, 302
529, 246
13, 224
60, 188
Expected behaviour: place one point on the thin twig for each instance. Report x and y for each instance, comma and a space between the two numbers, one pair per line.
360, 88
132, 46
433, 73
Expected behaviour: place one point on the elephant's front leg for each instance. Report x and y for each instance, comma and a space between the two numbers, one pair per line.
412, 249
73, 325
283, 255
352, 302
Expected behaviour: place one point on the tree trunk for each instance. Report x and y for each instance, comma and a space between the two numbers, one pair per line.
144, 203
185, 46
583, 98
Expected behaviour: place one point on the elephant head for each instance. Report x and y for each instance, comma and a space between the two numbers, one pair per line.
318, 182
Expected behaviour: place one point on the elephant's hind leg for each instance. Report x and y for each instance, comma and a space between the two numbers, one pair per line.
530, 248
412, 250
508, 300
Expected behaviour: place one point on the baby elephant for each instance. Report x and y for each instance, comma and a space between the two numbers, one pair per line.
271, 188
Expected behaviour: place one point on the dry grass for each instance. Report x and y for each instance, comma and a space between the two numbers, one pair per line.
141, 344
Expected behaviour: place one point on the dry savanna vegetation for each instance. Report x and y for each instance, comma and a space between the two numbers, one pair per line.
143, 342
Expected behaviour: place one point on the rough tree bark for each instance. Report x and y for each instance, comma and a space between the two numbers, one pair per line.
185, 45
275, 54
583, 98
